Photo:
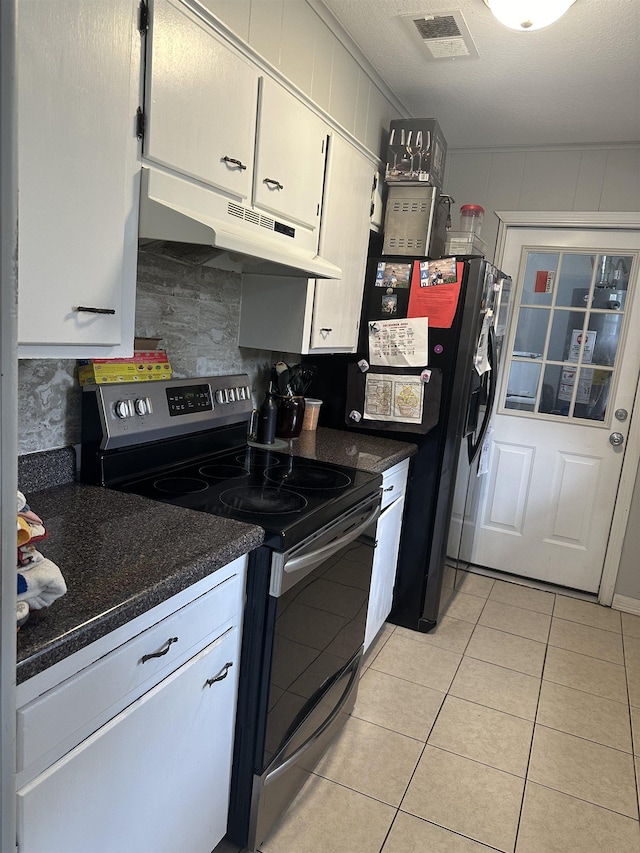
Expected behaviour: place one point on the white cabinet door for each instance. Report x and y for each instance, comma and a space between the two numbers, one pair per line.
78, 77
344, 240
154, 780
385, 562
290, 157
201, 101
385, 559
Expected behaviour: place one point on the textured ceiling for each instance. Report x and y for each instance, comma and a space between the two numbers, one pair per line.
577, 81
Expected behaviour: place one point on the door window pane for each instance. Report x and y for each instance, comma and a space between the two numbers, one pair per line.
539, 278
606, 329
523, 386
531, 333
574, 281
566, 336
613, 271
557, 388
593, 394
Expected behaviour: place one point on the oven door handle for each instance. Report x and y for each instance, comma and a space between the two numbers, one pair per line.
314, 558
317, 734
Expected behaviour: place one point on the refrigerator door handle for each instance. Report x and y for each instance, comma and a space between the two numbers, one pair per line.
474, 447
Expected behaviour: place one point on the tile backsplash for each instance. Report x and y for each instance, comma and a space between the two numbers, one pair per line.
195, 310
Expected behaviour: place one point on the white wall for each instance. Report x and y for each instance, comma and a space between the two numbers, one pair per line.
562, 178
571, 179
628, 583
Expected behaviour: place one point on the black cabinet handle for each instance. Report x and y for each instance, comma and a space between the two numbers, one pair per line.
222, 674
95, 310
161, 653
234, 162
273, 183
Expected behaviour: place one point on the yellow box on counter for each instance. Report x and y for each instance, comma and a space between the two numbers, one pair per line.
105, 373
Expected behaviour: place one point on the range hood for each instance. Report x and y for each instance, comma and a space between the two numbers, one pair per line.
178, 210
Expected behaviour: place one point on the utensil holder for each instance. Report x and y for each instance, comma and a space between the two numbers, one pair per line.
290, 416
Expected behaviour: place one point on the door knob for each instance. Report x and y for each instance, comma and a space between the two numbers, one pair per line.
616, 438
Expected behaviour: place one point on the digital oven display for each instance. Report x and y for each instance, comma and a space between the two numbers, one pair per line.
189, 399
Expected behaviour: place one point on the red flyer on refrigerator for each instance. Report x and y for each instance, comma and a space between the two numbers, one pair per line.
435, 291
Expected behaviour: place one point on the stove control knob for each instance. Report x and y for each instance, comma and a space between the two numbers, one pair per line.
143, 406
232, 395
124, 409
220, 396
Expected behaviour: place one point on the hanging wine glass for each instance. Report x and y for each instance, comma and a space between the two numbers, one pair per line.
408, 153
417, 152
395, 149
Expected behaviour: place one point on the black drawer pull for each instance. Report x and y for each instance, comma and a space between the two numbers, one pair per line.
222, 674
161, 653
234, 162
273, 183
96, 310
389, 489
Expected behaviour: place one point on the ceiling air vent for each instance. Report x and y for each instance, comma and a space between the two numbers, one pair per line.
445, 35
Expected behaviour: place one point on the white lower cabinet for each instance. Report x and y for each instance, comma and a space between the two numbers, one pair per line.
385, 560
155, 777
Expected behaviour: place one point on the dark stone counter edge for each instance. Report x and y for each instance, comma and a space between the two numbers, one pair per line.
145, 600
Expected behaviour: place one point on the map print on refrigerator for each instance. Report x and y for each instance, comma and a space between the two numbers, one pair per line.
393, 398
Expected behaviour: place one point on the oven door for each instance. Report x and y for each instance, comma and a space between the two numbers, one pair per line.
321, 593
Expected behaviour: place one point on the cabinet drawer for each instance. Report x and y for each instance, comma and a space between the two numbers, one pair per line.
394, 482
59, 719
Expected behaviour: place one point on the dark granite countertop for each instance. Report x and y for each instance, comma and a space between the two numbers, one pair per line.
354, 449
120, 556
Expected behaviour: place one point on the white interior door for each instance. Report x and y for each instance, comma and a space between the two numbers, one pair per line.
560, 433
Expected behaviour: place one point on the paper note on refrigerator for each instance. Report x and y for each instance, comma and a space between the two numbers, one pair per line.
398, 343
389, 397
435, 291
481, 360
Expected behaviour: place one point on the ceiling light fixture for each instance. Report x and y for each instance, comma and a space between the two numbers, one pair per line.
527, 15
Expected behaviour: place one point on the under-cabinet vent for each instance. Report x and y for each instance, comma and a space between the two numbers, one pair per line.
239, 212
445, 35
185, 253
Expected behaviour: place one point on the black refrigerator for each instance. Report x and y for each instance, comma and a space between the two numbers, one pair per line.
426, 371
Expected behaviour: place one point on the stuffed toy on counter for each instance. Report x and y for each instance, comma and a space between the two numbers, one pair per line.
40, 581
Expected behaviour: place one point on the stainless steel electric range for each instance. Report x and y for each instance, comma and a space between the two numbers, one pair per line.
184, 442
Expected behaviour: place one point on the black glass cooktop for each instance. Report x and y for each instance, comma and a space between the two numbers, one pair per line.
290, 497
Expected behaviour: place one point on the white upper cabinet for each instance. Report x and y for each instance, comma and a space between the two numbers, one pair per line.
78, 80
201, 101
228, 146
344, 239
290, 157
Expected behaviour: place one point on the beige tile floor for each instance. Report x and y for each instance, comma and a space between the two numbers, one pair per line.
514, 726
